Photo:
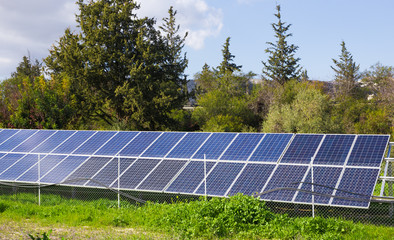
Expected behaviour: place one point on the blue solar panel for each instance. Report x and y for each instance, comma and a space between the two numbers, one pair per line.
47, 162
252, 179
215, 146
87, 170
117, 143
285, 176
188, 145
162, 156
94, 143
162, 175
34, 141
139, 144
325, 176
334, 149
52, 142
242, 147
19, 167
163, 144
8, 159
368, 150
271, 147
63, 169
16, 139
302, 148
356, 180
7, 133
109, 173
136, 173
73, 142
220, 178
189, 179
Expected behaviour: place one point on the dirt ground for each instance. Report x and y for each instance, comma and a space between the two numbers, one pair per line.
20, 230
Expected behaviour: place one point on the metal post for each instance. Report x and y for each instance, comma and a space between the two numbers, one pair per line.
118, 181
205, 177
39, 176
313, 190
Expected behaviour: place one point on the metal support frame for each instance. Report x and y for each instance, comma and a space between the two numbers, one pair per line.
388, 174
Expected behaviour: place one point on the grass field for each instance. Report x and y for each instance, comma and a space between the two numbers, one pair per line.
239, 217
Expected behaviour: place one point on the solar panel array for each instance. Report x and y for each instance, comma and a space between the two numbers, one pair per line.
345, 167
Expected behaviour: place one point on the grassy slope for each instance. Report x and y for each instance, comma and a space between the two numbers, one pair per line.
238, 217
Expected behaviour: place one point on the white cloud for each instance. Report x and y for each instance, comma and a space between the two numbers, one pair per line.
196, 17
31, 26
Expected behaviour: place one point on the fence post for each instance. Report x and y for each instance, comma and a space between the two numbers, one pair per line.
118, 182
313, 190
39, 175
205, 177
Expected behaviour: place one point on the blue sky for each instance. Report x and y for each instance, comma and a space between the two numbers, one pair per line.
318, 27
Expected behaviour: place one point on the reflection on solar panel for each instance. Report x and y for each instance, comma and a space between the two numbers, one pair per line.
279, 166
217, 182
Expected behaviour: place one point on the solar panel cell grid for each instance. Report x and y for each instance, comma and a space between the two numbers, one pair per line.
302, 148
94, 143
161, 156
285, 176
163, 145
242, 147
16, 139
325, 180
73, 142
271, 147
334, 149
87, 170
162, 175
33, 141
214, 147
117, 143
188, 145
220, 178
356, 180
107, 175
63, 169
7, 160
368, 150
252, 179
189, 179
6, 134
136, 173
47, 162
19, 167
139, 144
53, 141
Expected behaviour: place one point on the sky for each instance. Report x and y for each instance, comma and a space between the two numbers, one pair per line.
30, 28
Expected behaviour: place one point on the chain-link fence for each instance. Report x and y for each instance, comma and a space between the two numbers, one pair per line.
85, 186
379, 212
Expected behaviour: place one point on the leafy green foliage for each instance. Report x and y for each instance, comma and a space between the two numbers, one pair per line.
302, 108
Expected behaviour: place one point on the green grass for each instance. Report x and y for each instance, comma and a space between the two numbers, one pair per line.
239, 217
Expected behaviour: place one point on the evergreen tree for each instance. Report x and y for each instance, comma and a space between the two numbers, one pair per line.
346, 73
282, 65
123, 69
175, 61
227, 63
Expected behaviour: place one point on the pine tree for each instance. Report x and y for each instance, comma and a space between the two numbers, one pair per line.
227, 63
346, 73
282, 65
